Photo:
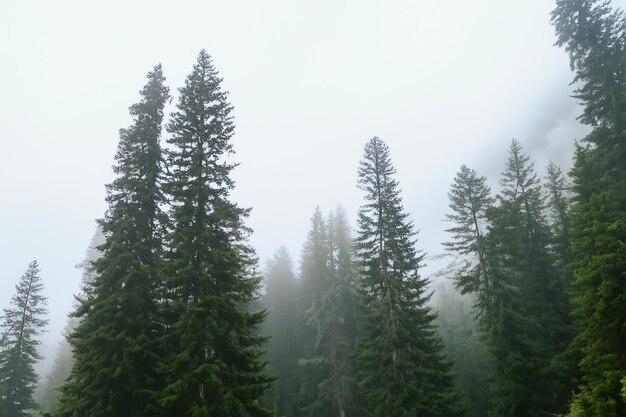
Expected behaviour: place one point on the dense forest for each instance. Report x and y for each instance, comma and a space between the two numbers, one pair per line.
176, 318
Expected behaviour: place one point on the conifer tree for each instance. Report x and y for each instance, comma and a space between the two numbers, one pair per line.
401, 368
508, 264
48, 391
470, 203
559, 204
314, 261
22, 323
520, 241
216, 367
314, 269
284, 327
332, 318
564, 365
478, 239
115, 344
594, 35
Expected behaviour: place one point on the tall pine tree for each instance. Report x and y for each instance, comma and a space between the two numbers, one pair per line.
594, 35
478, 238
520, 240
115, 344
22, 323
401, 368
215, 368
470, 203
564, 365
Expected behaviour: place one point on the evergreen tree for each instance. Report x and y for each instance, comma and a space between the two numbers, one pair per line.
559, 201
115, 342
22, 323
314, 260
314, 269
564, 365
332, 318
520, 240
484, 273
216, 367
401, 367
48, 391
470, 201
284, 326
594, 35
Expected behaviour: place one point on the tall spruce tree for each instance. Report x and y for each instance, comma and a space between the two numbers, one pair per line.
520, 242
284, 325
401, 368
115, 343
479, 235
594, 35
22, 323
470, 203
216, 367
331, 316
564, 365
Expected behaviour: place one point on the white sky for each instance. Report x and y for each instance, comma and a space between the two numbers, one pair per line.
441, 82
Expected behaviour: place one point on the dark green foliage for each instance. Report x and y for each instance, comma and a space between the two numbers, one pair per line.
477, 237
284, 325
215, 366
22, 323
594, 35
115, 343
564, 365
331, 316
519, 243
508, 262
470, 201
401, 367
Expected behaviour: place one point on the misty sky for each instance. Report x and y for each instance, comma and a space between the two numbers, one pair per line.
441, 82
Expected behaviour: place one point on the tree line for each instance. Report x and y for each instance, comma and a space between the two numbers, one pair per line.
175, 319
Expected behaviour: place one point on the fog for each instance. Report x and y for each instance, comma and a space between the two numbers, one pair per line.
442, 83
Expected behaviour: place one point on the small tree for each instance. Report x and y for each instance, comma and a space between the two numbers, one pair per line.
22, 322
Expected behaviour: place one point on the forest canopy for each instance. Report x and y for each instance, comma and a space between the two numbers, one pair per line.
176, 317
